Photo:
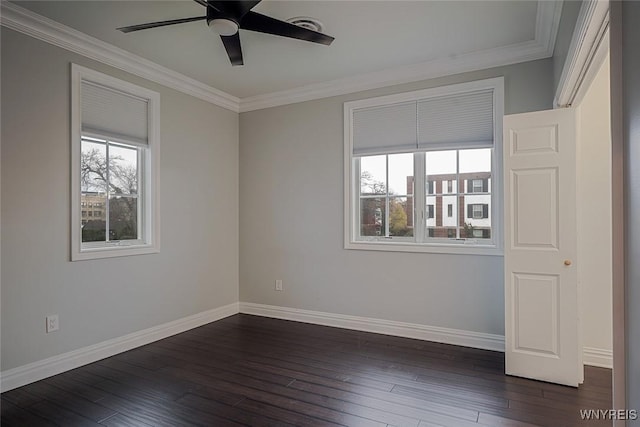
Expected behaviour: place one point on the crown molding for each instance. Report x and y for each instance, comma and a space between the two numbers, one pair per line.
512, 54
24, 21
47, 30
547, 21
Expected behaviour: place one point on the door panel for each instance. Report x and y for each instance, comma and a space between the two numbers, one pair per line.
541, 290
535, 200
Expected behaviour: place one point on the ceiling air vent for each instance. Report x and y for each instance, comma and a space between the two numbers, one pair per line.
307, 22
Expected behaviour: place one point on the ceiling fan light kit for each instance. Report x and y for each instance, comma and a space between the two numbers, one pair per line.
225, 18
223, 27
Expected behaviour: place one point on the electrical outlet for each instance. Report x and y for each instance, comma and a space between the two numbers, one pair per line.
278, 285
52, 323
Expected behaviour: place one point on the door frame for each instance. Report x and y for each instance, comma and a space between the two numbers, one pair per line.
592, 40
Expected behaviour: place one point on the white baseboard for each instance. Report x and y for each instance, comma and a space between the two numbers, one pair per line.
597, 357
380, 326
41, 369
22, 375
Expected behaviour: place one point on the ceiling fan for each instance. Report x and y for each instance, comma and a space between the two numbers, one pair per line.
225, 18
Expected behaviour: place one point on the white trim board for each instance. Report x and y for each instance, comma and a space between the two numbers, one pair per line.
379, 326
52, 32
598, 357
592, 356
36, 371
588, 48
542, 46
47, 30
26, 374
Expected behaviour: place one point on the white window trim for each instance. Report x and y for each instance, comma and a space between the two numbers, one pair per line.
151, 173
470, 247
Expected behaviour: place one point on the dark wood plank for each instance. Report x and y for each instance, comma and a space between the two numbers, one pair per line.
120, 420
60, 416
248, 370
71, 402
14, 415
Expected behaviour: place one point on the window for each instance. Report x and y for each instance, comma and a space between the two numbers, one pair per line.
408, 156
115, 147
478, 211
478, 185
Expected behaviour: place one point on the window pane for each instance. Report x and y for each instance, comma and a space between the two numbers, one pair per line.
430, 215
478, 160
441, 171
93, 216
372, 216
477, 223
123, 218
451, 202
373, 175
401, 174
401, 216
123, 169
93, 167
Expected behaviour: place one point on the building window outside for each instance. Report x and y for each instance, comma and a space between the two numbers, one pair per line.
115, 146
394, 205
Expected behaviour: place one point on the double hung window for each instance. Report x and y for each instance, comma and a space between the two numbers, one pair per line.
422, 170
115, 147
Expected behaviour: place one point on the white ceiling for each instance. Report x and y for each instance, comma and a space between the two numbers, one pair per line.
371, 36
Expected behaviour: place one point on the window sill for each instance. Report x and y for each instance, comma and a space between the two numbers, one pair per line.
452, 249
113, 251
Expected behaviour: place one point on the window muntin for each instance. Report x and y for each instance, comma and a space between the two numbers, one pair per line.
115, 167
460, 237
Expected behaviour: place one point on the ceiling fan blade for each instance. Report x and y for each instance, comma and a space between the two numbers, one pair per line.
237, 9
202, 2
159, 24
234, 50
264, 24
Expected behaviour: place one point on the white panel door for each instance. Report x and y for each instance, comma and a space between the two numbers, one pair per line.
541, 287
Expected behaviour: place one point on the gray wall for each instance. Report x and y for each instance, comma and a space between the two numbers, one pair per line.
291, 220
570, 11
197, 268
631, 135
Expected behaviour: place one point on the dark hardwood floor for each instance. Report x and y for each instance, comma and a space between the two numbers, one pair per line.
248, 370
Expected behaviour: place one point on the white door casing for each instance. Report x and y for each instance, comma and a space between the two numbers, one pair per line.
541, 288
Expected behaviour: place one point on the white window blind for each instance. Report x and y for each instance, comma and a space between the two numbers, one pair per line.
460, 121
110, 113
388, 129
